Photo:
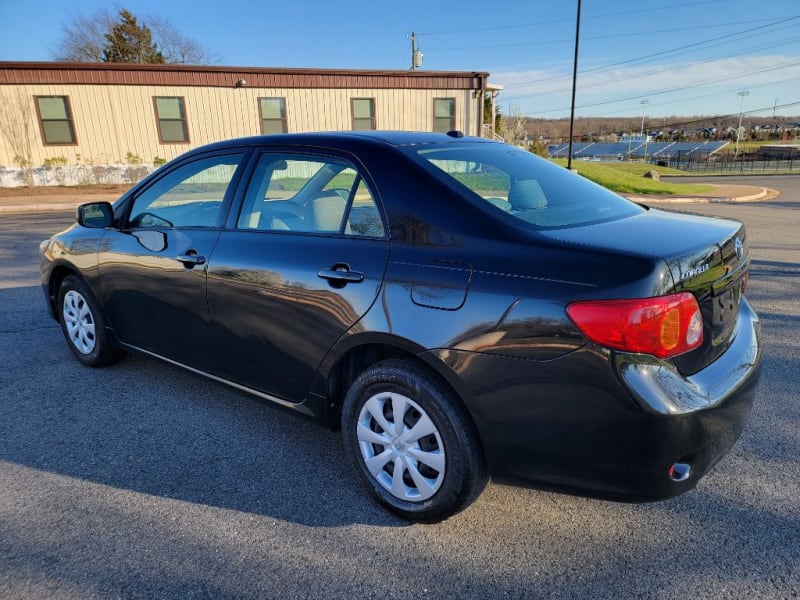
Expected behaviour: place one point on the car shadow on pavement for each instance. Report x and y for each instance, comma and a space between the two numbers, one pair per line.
783, 204
148, 427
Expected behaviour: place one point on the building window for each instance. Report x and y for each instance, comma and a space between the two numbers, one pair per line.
55, 120
273, 115
171, 117
444, 114
363, 113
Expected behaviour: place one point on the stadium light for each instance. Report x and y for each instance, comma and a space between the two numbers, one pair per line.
643, 103
743, 93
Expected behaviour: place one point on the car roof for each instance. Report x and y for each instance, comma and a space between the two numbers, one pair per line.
337, 138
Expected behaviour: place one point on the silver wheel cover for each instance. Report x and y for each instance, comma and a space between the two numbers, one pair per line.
79, 322
401, 446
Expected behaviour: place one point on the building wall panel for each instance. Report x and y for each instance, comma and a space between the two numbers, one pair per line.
116, 123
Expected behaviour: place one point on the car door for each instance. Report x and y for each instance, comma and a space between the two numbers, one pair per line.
303, 261
153, 269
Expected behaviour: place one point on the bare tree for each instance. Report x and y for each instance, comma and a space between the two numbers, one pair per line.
515, 132
177, 48
16, 125
85, 38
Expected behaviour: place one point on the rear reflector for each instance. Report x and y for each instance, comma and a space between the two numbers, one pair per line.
664, 326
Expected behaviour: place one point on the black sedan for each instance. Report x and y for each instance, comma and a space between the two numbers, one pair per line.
459, 307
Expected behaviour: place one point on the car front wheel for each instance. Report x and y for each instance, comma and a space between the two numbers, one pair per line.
412, 442
83, 324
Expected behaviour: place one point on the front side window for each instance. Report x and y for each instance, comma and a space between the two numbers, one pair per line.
55, 120
294, 193
190, 196
171, 118
444, 114
513, 183
273, 115
363, 114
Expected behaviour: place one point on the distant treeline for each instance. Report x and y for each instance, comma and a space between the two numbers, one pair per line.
673, 127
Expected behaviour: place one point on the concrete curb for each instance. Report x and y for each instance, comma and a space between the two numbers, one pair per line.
54, 206
704, 199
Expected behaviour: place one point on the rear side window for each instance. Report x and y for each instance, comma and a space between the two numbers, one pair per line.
310, 194
514, 182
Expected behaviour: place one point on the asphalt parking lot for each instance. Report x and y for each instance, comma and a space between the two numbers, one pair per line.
144, 481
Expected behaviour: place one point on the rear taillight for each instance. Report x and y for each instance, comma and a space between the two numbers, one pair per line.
664, 326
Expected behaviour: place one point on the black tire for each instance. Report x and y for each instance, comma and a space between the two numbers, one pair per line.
453, 443
84, 325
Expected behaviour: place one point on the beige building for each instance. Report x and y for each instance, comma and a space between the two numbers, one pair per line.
86, 122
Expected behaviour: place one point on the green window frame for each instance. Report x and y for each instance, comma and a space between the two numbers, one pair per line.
55, 120
272, 112
171, 119
363, 113
444, 114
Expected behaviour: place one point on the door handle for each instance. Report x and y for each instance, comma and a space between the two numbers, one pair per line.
191, 258
340, 274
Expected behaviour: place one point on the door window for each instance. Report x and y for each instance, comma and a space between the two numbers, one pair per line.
309, 194
190, 196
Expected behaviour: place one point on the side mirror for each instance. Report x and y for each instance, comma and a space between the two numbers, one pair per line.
95, 215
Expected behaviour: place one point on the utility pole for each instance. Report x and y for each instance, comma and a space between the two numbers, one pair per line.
742, 94
574, 82
416, 55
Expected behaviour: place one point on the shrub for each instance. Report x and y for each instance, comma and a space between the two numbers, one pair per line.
55, 161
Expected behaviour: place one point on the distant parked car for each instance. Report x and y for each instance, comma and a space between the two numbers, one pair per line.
457, 306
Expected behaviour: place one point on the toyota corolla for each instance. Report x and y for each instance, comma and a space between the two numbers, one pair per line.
460, 308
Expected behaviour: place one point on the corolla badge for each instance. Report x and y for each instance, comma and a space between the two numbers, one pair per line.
737, 244
694, 272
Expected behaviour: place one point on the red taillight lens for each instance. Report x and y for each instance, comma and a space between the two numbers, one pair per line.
664, 326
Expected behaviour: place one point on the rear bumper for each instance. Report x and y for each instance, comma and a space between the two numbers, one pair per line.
659, 387
608, 424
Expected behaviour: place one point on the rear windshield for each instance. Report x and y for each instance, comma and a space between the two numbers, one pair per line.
516, 183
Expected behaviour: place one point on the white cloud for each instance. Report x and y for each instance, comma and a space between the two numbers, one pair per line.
617, 90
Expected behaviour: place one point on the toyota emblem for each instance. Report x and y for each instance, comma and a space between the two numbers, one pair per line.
739, 248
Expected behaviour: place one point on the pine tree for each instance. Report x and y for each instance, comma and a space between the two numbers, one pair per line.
129, 42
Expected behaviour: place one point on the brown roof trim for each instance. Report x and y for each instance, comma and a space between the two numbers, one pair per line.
212, 76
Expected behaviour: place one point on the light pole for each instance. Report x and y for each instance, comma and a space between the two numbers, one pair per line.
743, 93
641, 133
643, 103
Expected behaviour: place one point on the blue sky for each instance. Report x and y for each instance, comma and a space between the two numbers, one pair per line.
684, 58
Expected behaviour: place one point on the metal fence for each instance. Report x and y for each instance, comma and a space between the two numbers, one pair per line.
730, 164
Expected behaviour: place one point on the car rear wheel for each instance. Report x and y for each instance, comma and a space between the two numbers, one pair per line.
412, 442
83, 325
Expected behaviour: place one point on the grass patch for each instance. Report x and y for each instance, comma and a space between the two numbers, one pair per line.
627, 178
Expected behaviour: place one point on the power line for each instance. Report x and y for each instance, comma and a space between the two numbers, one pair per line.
599, 37
700, 97
728, 38
570, 20
662, 69
667, 90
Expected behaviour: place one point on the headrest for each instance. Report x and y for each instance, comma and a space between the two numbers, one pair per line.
526, 194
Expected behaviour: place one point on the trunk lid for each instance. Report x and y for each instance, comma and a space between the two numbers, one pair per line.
706, 256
